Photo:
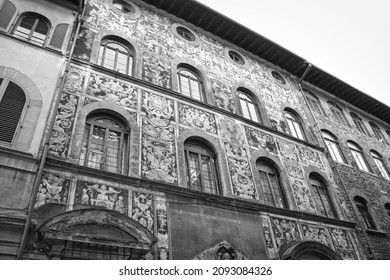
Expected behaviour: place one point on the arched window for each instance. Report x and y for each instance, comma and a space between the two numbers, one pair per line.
116, 54
190, 84
361, 205
294, 125
337, 113
377, 132
248, 106
314, 102
12, 105
358, 156
270, 182
359, 123
333, 147
33, 28
387, 208
105, 144
321, 195
201, 167
384, 172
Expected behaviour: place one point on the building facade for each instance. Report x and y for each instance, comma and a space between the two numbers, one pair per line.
172, 132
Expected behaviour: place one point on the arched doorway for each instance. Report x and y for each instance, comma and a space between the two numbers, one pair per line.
307, 250
94, 234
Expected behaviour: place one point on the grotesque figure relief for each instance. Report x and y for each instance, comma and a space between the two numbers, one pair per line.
232, 131
143, 210
260, 139
285, 231
52, 189
100, 195
272, 252
240, 172
223, 96
74, 81
63, 126
197, 118
162, 229
342, 243
315, 233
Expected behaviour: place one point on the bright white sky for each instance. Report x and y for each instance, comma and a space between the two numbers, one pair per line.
349, 39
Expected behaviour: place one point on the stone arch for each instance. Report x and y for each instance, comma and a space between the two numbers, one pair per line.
97, 226
117, 111
27, 132
198, 69
309, 250
123, 36
219, 152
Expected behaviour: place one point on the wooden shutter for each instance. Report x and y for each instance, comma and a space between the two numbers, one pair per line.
6, 14
11, 108
58, 37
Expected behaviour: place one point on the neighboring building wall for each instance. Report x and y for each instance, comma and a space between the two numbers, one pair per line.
36, 70
369, 185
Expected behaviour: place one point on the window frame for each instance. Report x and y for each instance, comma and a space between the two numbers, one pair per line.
316, 184
314, 102
4, 84
377, 132
250, 100
200, 149
337, 113
294, 124
263, 166
198, 81
123, 152
359, 123
333, 147
359, 157
37, 18
361, 205
130, 54
380, 164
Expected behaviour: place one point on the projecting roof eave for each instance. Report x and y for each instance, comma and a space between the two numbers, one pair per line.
233, 32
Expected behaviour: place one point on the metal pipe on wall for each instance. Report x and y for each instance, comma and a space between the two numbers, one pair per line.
34, 191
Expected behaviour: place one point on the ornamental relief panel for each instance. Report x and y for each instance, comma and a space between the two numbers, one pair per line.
197, 118
271, 250
162, 229
99, 195
143, 210
342, 244
315, 233
112, 90
260, 140
284, 231
240, 172
310, 158
74, 82
63, 126
232, 131
52, 189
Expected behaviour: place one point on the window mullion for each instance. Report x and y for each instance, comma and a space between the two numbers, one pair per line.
116, 60
189, 86
187, 153
103, 55
271, 189
105, 140
91, 128
33, 29
121, 156
201, 172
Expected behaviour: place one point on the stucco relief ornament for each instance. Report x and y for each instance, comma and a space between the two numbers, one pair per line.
223, 97
232, 132
159, 110
52, 189
197, 118
302, 196
285, 231
240, 172
143, 210
221, 251
260, 139
74, 81
112, 90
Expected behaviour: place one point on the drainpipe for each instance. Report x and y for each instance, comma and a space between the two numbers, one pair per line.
34, 191
309, 66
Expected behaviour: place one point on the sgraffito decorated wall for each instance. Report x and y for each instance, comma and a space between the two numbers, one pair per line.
161, 116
